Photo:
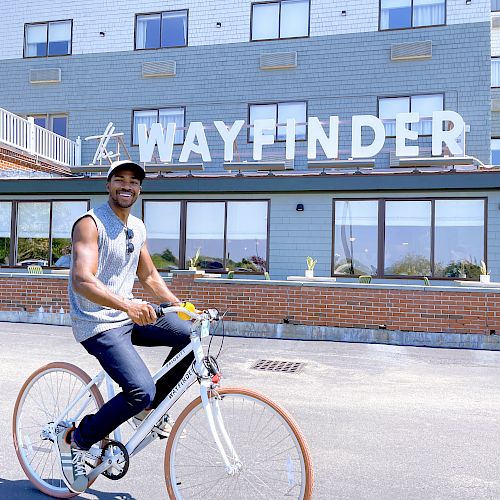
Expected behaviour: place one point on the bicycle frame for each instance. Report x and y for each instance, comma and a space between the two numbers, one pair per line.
142, 435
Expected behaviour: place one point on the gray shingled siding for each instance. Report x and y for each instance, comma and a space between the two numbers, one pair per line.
341, 75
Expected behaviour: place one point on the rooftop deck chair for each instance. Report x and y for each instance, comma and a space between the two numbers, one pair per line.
426, 281
365, 279
33, 269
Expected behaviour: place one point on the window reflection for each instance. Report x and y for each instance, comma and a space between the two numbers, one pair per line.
205, 231
5, 221
356, 238
64, 215
162, 220
459, 238
408, 238
33, 221
246, 247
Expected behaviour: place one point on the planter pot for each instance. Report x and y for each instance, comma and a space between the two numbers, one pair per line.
484, 278
462, 275
193, 269
309, 273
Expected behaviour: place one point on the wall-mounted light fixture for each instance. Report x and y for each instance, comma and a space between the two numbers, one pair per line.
218, 24
343, 13
101, 33
299, 207
468, 2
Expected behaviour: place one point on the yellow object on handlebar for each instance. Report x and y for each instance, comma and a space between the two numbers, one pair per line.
189, 307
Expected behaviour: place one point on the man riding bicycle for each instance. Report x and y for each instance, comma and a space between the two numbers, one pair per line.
109, 250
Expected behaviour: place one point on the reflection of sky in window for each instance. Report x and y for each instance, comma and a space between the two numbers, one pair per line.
495, 151
174, 29
5, 218
59, 125
395, 14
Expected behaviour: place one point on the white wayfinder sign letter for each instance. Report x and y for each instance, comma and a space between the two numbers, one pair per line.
147, 144
229, 136
260, 139
195, 132
315, 133
449, 137
403, 133
358, 122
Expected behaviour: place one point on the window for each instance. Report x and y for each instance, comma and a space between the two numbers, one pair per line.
163, 116
228, 235
55, 123
495, 5
5, 230
161, 30
398, 14
280, 113
495, 151
43, 231
356, 237
444, 238
285, 19
495, 72
407, 238
425, 105
162, 220
48, 39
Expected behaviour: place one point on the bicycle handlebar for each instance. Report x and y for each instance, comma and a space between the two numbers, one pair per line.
169, 307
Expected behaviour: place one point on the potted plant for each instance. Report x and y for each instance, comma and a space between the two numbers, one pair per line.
310, 267
484, 277
194, 261
461, 272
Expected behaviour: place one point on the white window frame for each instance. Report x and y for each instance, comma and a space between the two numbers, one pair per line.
412, 22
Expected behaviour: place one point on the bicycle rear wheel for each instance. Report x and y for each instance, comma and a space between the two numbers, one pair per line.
44, 395
275, 459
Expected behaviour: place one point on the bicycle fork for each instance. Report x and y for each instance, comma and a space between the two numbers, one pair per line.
214, 416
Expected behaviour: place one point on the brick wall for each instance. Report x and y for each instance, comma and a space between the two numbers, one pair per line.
419, 309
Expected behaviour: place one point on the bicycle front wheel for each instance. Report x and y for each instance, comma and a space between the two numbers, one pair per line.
46, 393
273, 459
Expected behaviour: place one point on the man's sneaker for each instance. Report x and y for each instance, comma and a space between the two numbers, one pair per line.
162, 427
72, 462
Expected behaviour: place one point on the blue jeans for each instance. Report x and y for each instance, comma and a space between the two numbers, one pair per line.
115, 351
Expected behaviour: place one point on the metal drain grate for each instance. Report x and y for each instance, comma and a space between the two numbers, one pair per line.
269, 365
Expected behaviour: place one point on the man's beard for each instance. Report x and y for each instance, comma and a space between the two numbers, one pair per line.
124, 203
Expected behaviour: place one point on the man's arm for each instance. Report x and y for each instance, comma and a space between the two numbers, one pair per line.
85, 283
151, 280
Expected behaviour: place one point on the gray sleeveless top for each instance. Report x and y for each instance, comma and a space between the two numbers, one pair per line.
116, 269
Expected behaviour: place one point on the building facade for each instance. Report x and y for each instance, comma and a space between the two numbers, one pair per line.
76, 67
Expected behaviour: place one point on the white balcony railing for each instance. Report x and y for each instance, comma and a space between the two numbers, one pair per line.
37, 141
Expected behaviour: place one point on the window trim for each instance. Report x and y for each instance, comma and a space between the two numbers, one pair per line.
381, 234
183, 226
491, 59
13, 227
491, 138
132, 138
47, 43
409, 96
279, 23
161, 29
49, 120
277, 103
411, 27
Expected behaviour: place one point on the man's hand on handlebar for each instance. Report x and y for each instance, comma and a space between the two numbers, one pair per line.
140, 312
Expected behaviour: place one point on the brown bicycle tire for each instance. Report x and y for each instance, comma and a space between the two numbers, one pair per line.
99, 401
306, 454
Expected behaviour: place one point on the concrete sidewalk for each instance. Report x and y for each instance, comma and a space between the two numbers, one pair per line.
383, 422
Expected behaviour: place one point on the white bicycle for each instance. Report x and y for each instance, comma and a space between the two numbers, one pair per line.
228, 443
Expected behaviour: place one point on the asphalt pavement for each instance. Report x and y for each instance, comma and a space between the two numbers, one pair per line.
382, 422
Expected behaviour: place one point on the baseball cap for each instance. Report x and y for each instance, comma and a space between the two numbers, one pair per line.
118, 165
